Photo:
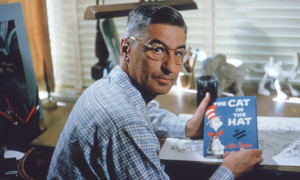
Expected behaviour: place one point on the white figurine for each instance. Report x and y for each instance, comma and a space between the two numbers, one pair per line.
277, 73
230, 74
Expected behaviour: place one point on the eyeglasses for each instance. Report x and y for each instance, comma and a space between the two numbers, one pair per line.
159, 51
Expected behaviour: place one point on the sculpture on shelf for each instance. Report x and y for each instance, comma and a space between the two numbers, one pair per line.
277, 73
230, 73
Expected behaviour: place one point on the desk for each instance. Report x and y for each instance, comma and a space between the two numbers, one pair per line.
178, 102
54, 120
185, 102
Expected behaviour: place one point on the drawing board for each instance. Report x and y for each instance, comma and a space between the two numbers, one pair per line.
278, 137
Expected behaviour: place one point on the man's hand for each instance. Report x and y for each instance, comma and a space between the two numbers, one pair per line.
194, 126
239, 162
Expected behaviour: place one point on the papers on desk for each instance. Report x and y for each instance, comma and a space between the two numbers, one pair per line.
184, 150
278, 137
13, 154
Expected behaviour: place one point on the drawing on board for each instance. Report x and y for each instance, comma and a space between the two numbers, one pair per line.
184, 149
278, 137
187, 147
283, 129
281, 146
290, 155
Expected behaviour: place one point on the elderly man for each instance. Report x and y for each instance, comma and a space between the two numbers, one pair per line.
111, 133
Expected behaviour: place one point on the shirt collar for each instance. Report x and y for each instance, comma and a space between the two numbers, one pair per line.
125, 82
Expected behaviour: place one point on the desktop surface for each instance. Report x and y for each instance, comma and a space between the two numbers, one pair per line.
184, 101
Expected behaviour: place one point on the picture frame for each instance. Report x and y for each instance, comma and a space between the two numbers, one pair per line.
13, 12
20, 106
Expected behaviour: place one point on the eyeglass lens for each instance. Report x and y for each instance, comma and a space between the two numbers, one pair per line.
160, 51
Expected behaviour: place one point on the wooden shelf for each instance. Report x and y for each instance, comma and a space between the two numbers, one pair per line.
118, 10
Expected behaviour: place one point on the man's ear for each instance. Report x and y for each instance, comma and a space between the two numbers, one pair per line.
124, 49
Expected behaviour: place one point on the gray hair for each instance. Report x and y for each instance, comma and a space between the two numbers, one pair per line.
140, 18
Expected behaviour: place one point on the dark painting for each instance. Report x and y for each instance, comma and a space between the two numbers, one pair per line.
13, 86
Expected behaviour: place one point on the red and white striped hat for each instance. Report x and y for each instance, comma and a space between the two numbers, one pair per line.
210, 112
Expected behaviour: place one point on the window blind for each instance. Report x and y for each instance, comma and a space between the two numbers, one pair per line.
254, 30
247, 30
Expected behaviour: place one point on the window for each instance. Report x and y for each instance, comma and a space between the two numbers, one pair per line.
247, 30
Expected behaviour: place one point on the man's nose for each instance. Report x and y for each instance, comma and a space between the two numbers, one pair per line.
169, 63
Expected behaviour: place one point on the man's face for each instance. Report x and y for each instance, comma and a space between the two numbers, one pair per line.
156, 77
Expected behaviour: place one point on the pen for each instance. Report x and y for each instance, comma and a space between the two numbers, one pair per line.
19, 118
7, 117
9, 105
8, 112
30, 114
13, 112
36, 109
193, 59
184, 69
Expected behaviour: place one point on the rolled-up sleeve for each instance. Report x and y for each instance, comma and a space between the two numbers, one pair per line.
167, 124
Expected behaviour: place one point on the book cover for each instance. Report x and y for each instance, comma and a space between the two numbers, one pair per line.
230, 123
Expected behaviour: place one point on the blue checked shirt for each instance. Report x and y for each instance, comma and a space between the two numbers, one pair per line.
112, 134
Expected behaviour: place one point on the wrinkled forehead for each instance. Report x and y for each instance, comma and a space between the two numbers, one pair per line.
171, 36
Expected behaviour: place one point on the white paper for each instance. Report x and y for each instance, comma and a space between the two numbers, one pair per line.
13, 154
184, 150
278, 137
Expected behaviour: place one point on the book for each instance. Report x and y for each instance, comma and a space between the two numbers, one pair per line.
230, 123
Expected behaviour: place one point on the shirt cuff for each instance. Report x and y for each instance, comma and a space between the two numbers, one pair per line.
177, 127
222, 173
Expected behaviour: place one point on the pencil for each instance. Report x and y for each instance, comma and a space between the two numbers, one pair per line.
7, 117
32, 110
19, 118
11, 109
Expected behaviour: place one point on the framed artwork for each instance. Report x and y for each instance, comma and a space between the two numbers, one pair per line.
19, 100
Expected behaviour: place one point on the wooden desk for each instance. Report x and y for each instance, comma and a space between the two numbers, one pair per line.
178, 102
185, 102
54, 120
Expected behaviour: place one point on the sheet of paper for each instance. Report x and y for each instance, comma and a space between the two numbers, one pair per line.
184, 150
278, 137
13, 154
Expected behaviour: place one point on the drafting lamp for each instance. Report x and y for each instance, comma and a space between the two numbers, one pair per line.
118, 10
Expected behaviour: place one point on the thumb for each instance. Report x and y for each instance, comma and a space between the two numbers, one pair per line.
225, 154
194, 125
199, 113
